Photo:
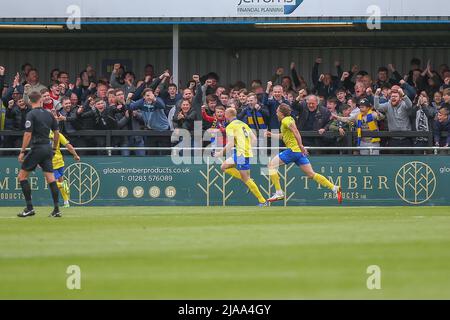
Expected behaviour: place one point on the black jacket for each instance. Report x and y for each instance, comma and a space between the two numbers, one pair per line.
18, 117
102, 120
2, 83
321, 118
72, 122
186, 123
430, 113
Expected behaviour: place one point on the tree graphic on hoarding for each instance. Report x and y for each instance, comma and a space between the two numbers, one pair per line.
209, 181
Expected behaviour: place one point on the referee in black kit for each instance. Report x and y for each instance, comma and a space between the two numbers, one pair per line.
38, 124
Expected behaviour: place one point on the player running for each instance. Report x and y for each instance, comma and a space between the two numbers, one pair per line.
296, 153
58, 167
240, 139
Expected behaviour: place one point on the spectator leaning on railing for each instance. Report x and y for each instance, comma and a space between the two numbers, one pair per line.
442, 125
329, 141
342, 127
365, 121
312, 117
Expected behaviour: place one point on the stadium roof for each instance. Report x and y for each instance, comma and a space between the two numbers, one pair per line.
230, 20
126, 35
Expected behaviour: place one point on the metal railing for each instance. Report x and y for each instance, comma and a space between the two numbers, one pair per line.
108, 134
255, 148
347, 141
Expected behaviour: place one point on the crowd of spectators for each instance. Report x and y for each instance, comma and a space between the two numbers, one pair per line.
339, 102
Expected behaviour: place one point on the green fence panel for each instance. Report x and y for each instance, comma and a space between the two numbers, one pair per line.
134, 181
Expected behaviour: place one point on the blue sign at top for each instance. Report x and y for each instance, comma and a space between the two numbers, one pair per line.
289, 8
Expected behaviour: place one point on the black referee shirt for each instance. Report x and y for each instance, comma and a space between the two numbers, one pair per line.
40, 122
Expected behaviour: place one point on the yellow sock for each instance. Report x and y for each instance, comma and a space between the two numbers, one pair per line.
324, 182
275, 178
64, 195
255, 190
234, 173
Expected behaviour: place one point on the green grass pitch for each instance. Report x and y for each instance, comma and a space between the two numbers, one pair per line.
227, 253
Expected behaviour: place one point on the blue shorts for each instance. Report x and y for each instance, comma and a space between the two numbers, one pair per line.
288, 156
58, 173
242, 163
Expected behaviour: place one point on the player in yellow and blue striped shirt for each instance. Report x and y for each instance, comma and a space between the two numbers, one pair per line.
240, 139
296, 153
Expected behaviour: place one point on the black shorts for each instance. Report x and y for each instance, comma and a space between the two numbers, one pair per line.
41, 155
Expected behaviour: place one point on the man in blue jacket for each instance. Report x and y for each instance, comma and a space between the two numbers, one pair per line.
441, 125
273, 103
152, 111
154, 117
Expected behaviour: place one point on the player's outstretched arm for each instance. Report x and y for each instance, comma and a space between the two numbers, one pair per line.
228, 146
269, 134
298, 137
344, 119
73, 152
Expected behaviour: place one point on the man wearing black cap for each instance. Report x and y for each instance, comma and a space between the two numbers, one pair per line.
38, 125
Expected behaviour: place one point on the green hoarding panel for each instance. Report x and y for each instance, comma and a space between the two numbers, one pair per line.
127, 181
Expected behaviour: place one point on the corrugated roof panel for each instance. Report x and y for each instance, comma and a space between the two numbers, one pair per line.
251, 64
234, 20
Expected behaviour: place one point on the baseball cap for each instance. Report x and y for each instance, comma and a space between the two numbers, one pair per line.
364, 102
